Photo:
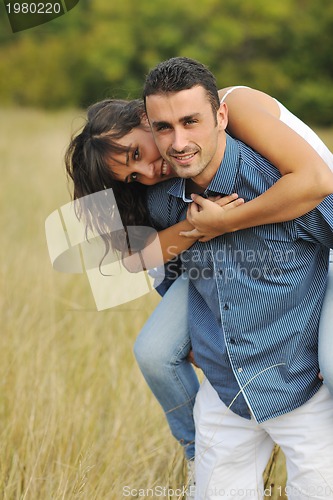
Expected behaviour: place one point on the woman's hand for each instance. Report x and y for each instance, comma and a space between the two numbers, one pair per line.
207, 215
191, 359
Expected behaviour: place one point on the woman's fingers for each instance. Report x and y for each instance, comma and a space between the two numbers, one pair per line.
194, 233
226, 200
233, 204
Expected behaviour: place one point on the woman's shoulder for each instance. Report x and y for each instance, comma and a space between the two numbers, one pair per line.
223, 93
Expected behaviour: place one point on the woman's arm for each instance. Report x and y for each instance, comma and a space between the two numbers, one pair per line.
162, 247
170, 242
306, 179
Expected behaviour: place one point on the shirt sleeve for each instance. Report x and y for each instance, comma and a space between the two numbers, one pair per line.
317, 225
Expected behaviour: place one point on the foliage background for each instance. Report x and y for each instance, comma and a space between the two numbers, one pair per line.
104, 48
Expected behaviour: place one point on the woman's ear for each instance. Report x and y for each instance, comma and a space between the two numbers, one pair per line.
222, 116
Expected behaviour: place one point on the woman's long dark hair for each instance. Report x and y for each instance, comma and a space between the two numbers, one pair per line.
87, 158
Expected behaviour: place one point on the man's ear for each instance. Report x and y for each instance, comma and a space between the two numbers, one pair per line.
222, 116
145, 121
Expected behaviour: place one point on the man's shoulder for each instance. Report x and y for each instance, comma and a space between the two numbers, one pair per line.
256, 164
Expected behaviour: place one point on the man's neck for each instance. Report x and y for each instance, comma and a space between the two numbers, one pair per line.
192, 187
199, 183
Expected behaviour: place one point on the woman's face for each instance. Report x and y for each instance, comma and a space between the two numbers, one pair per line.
142, 162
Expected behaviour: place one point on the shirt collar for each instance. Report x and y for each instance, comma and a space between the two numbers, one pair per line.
223, 181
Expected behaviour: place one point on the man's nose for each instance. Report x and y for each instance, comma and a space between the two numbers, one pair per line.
179, 140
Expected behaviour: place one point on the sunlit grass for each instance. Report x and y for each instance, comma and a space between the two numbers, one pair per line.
77, 419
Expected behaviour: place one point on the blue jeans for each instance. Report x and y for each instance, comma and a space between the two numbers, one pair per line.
326, 332
161, 350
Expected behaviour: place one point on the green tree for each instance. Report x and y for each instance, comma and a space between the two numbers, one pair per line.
103, 48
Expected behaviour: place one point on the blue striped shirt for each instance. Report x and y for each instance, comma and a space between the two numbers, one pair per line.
255, 295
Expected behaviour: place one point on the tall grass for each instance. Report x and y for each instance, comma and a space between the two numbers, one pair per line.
77, 420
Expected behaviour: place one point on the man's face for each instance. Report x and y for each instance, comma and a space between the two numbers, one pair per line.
190, 138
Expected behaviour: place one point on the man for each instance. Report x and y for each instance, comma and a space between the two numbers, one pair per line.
254, 301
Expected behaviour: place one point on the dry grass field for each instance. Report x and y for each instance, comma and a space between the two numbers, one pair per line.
77, 420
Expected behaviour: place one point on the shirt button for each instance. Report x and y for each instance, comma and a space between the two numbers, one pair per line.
240, 370
232, 341
226, 307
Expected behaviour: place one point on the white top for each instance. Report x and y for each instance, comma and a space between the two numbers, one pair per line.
300, 127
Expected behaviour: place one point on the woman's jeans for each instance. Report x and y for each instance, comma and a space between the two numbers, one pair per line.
161, 350
163, 345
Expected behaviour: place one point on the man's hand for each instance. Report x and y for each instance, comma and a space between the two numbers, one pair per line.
206, 215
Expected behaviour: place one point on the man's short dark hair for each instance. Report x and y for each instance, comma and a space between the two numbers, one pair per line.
181, 73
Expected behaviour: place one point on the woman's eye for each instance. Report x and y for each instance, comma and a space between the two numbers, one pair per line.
133, 177
136, 154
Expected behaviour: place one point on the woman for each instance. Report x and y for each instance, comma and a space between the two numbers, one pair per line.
116, 150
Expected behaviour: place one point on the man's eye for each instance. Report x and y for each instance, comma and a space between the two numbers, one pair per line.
190, 122
162, 127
